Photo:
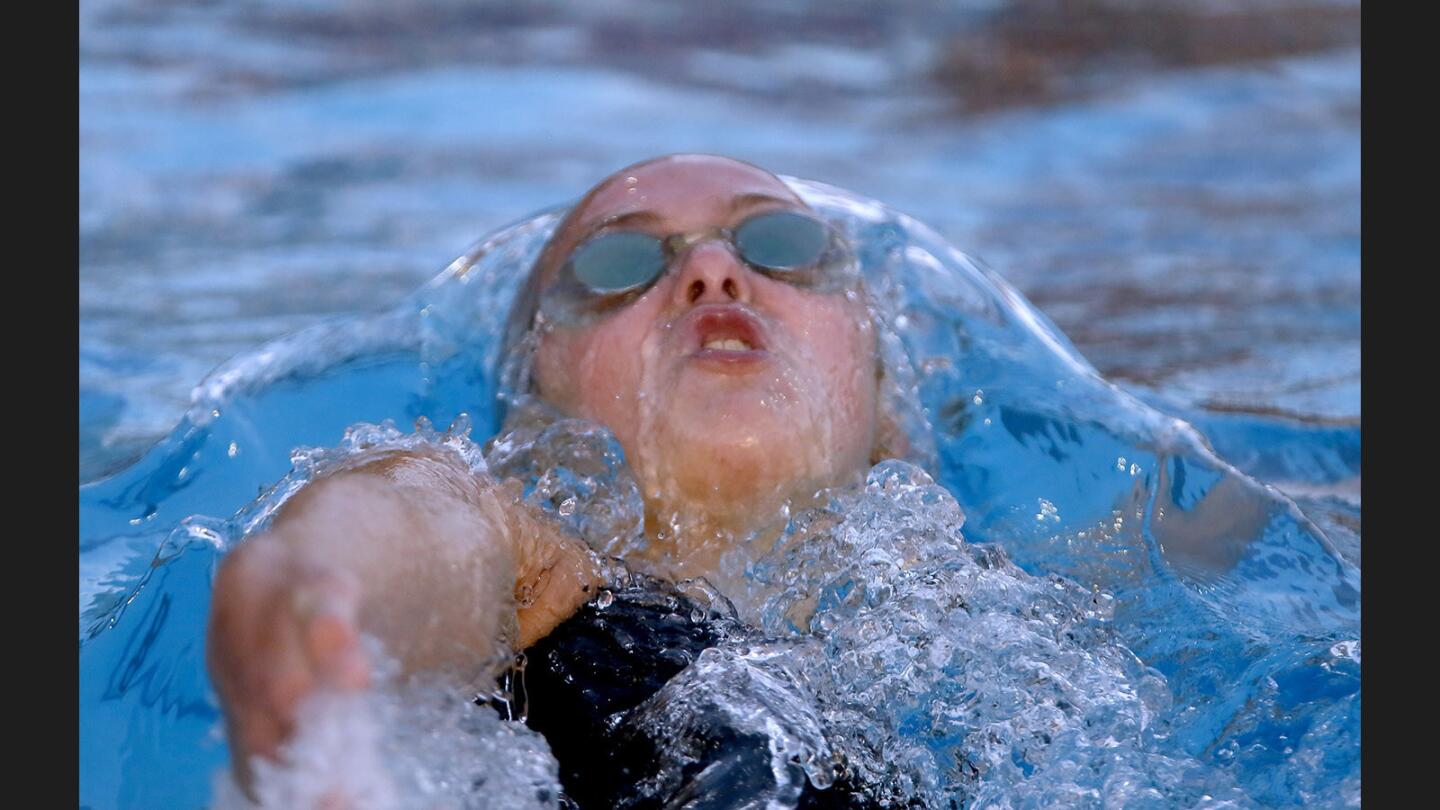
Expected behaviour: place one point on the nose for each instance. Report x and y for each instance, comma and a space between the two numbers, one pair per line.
710, 273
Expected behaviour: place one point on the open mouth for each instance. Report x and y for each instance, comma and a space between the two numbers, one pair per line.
727, 345
726, 335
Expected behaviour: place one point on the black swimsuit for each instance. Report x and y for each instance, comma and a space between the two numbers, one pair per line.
581, 682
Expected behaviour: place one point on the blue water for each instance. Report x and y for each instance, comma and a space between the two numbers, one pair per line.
1067, 473
245, 173
1194, 234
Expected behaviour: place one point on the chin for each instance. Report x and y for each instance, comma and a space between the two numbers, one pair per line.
735, 453
733, 446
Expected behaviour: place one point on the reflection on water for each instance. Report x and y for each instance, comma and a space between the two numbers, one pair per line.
1191, 224
1189, 217
1135, 619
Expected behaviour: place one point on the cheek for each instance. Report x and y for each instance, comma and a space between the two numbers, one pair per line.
593, 373
841, 343
840, 339
608, 379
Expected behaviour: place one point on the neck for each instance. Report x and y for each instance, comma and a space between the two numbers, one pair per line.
690, 538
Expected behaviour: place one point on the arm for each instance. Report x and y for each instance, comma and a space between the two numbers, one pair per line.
408, 547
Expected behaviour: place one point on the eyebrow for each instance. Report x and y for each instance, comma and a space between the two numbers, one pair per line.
754, 198
645, 217
642, 217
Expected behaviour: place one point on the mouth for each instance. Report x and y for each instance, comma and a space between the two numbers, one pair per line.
726, 337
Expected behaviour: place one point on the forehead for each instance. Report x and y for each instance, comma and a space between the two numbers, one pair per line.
680, 192
675, 194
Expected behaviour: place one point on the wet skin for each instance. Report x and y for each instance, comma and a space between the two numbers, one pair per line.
449, 570
714, 437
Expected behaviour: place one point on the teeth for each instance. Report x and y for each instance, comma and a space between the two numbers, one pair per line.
728, 345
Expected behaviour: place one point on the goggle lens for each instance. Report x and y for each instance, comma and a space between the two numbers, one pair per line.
782, 240
618, 262
612, 268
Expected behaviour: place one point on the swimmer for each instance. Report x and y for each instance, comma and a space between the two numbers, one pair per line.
696, 307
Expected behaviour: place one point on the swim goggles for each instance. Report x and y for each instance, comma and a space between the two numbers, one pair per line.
612, 268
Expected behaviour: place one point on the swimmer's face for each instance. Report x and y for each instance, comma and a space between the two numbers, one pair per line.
707, 421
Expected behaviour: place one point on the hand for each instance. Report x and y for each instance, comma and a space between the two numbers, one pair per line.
280, 630
411, 548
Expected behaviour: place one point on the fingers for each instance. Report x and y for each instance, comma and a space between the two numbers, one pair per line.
330, 635
336, 655
316, 644
276, 676
279, 633
255, 732
334, 800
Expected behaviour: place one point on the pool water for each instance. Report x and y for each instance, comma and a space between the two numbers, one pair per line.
249, 172
1038, 622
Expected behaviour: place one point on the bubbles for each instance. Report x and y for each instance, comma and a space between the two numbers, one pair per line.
737, 700
1017, 665
403, 744
359, 444
943, 673
576, 471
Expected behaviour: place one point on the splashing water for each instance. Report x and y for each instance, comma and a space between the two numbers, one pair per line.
1125, 620
946, 673
401, 745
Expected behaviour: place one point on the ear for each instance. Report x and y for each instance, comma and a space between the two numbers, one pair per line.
890, 440
550, 379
